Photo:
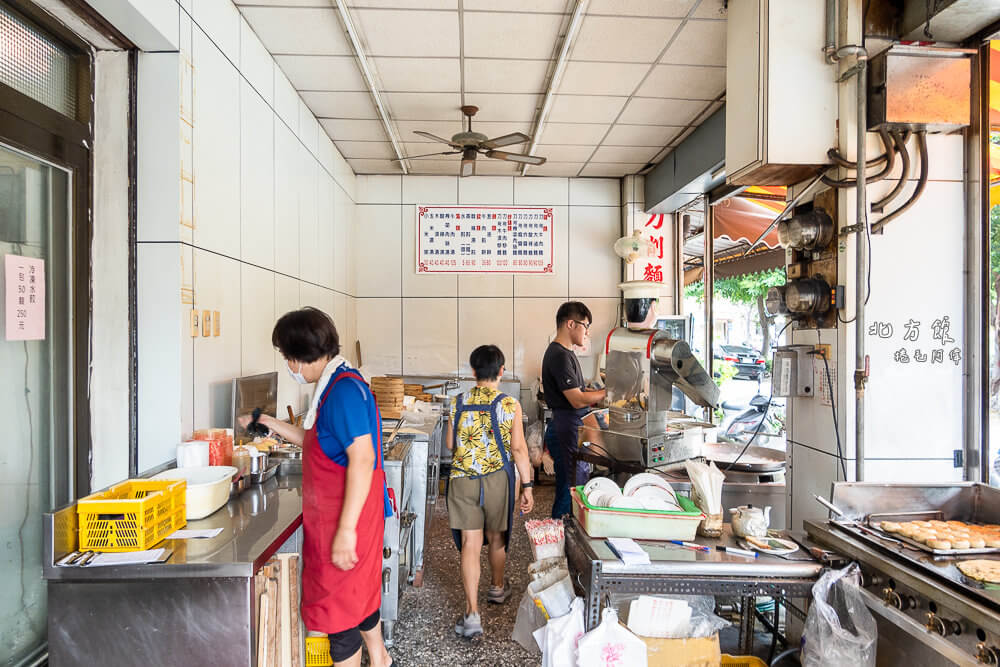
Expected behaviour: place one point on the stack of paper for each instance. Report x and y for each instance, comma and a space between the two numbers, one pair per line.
127, 558
628, 551
659, 617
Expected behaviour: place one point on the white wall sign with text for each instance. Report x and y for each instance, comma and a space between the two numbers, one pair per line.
24, 297
484, 239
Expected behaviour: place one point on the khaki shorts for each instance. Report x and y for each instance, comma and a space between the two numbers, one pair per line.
464, 511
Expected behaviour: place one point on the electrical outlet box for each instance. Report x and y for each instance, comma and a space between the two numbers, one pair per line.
793, 371
824, 351
194, 323
206, 323
216, 323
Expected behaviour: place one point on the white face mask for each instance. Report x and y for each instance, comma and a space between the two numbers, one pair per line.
296, 375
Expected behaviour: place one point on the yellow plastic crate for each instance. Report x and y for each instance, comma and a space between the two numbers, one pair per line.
742, 661
318, 652
131, 516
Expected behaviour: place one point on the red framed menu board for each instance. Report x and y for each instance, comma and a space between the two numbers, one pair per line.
484, 239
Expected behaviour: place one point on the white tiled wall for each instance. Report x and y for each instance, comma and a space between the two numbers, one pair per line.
261, 223
428, 324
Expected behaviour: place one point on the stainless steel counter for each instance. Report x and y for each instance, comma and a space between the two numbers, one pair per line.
254, 525
679, 571
196, 605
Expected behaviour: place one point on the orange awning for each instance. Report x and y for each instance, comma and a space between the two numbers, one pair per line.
995, 83
741, 219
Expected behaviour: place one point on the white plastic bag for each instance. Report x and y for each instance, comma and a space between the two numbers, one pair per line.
559, 637
534, 436
839, 628
610, 645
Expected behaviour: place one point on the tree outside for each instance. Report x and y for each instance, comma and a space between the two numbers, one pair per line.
747, 292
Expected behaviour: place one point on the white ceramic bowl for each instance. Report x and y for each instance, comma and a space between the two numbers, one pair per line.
207, 488
626, 503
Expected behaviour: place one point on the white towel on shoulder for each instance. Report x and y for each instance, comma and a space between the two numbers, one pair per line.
324, 379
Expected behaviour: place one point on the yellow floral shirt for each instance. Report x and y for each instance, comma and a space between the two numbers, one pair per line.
475, 448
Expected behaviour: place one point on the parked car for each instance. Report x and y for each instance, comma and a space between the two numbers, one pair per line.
749, 364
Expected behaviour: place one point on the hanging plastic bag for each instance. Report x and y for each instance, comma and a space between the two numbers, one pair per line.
839, 628
559, 637
534, 436
611, 645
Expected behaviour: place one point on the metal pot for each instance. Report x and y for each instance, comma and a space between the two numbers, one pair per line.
258, 464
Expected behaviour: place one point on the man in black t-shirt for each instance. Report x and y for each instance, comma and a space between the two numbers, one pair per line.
563, 384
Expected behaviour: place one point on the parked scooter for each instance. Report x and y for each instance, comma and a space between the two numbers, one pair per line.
742, 426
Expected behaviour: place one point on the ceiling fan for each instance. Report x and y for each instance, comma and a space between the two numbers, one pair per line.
470, 144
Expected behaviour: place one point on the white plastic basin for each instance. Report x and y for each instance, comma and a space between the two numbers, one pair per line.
207, 488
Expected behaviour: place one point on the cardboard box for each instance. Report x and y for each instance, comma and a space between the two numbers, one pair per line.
702, 652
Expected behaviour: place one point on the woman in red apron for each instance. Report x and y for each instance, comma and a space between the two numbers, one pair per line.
344, 495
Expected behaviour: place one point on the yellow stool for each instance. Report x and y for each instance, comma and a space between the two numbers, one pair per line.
318, 652
736, 661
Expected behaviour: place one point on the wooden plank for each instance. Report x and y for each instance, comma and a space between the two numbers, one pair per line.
297, 642
272, 621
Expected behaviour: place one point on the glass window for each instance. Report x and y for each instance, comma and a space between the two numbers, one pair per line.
993, 314
36, 65
34, 451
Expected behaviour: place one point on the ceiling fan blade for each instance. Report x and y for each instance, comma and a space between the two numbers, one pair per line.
468, 162
414, 157
516, 157
434, 137
506, 140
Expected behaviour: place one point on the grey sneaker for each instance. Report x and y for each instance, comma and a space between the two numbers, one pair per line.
499, 595
469, 626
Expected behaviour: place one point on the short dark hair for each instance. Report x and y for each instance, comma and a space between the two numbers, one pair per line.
486, 361
573, 310
306, 335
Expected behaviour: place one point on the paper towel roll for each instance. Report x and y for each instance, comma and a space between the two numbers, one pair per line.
192, 453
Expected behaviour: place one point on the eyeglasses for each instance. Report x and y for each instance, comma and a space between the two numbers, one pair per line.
585, 325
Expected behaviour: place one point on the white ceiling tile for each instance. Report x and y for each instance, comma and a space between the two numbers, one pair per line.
610, 169
345, 129
610, 39
405, 4
446, 167
602, 78
537, 6
323, 72
574, 133
423, 106
299, 30
340, 105
684, 82
631, 154
661, 8
505, 76
699, 43
556, 169
285, 3
372, 150
640, 135
710, 9
586, 108
433, 75
374, 167
408, 33
504, 108
563, 153
491, 129
649, 111
500, 34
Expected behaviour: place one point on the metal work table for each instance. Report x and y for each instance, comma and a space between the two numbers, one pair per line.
679, 571
197, 604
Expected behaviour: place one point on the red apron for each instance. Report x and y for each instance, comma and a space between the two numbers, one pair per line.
334, 600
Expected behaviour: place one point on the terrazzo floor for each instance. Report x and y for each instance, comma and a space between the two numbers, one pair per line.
425, 633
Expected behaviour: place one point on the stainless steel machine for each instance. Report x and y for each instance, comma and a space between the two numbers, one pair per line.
642, 368
928, 612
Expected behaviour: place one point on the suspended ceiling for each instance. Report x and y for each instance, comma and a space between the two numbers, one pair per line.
640, 76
